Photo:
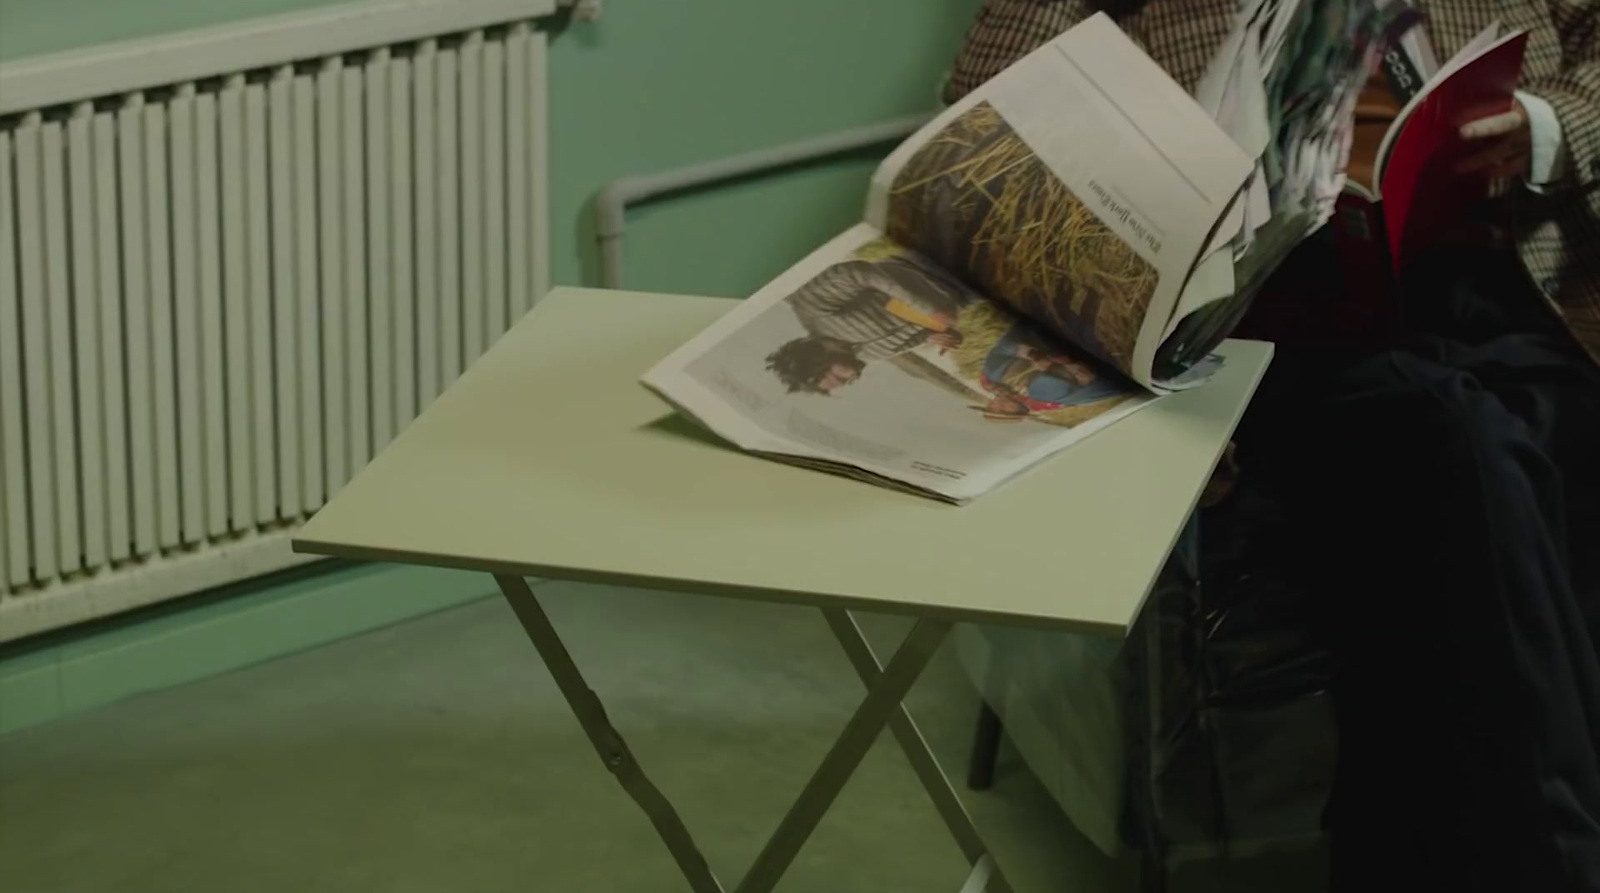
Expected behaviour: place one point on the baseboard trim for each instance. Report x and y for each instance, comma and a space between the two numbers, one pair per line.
79, 670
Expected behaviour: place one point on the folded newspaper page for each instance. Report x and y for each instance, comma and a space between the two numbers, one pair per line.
1021, 260
1284, 84
1077, 187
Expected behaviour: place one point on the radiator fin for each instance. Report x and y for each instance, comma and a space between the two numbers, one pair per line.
220, 298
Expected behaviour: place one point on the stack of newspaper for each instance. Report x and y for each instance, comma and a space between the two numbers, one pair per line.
1053, 252
1284, 85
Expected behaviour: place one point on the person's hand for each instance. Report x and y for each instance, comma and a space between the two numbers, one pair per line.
1005, 408
1502, 145
945, 340
1034, 357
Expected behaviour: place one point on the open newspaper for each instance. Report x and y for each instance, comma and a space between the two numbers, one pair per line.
1019, 267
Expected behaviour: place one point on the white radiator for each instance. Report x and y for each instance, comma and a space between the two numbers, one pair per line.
233, 264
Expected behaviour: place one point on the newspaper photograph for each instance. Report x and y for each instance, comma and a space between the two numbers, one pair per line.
1078, 187
1021, 259
868, 355
977, 199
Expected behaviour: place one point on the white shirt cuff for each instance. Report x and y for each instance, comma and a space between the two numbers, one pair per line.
1548, 160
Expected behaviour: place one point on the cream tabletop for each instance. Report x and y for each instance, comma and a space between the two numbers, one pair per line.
548, 459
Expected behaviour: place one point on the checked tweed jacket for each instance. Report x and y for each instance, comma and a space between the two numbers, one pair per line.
1557, 233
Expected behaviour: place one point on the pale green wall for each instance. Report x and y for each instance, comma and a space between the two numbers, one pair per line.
658, 84
655, 84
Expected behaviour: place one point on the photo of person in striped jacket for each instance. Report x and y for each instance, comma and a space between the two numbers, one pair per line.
859, 312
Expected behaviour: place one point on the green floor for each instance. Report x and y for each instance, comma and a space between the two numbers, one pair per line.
437, 756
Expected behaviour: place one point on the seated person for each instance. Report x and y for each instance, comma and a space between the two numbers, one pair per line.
1447, 496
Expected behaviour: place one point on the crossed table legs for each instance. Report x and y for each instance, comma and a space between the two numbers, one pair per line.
886, 687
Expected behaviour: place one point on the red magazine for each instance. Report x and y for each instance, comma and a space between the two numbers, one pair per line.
1420, 191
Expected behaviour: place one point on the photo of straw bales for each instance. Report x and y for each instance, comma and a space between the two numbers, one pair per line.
977, 201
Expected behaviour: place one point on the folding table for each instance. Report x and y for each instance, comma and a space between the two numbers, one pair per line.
548, 459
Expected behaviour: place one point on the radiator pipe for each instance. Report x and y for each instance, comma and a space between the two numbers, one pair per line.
611, 203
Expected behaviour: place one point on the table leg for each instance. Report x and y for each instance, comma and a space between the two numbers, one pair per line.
983, 874
856, 647
886, 689
883, 697
613, 750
